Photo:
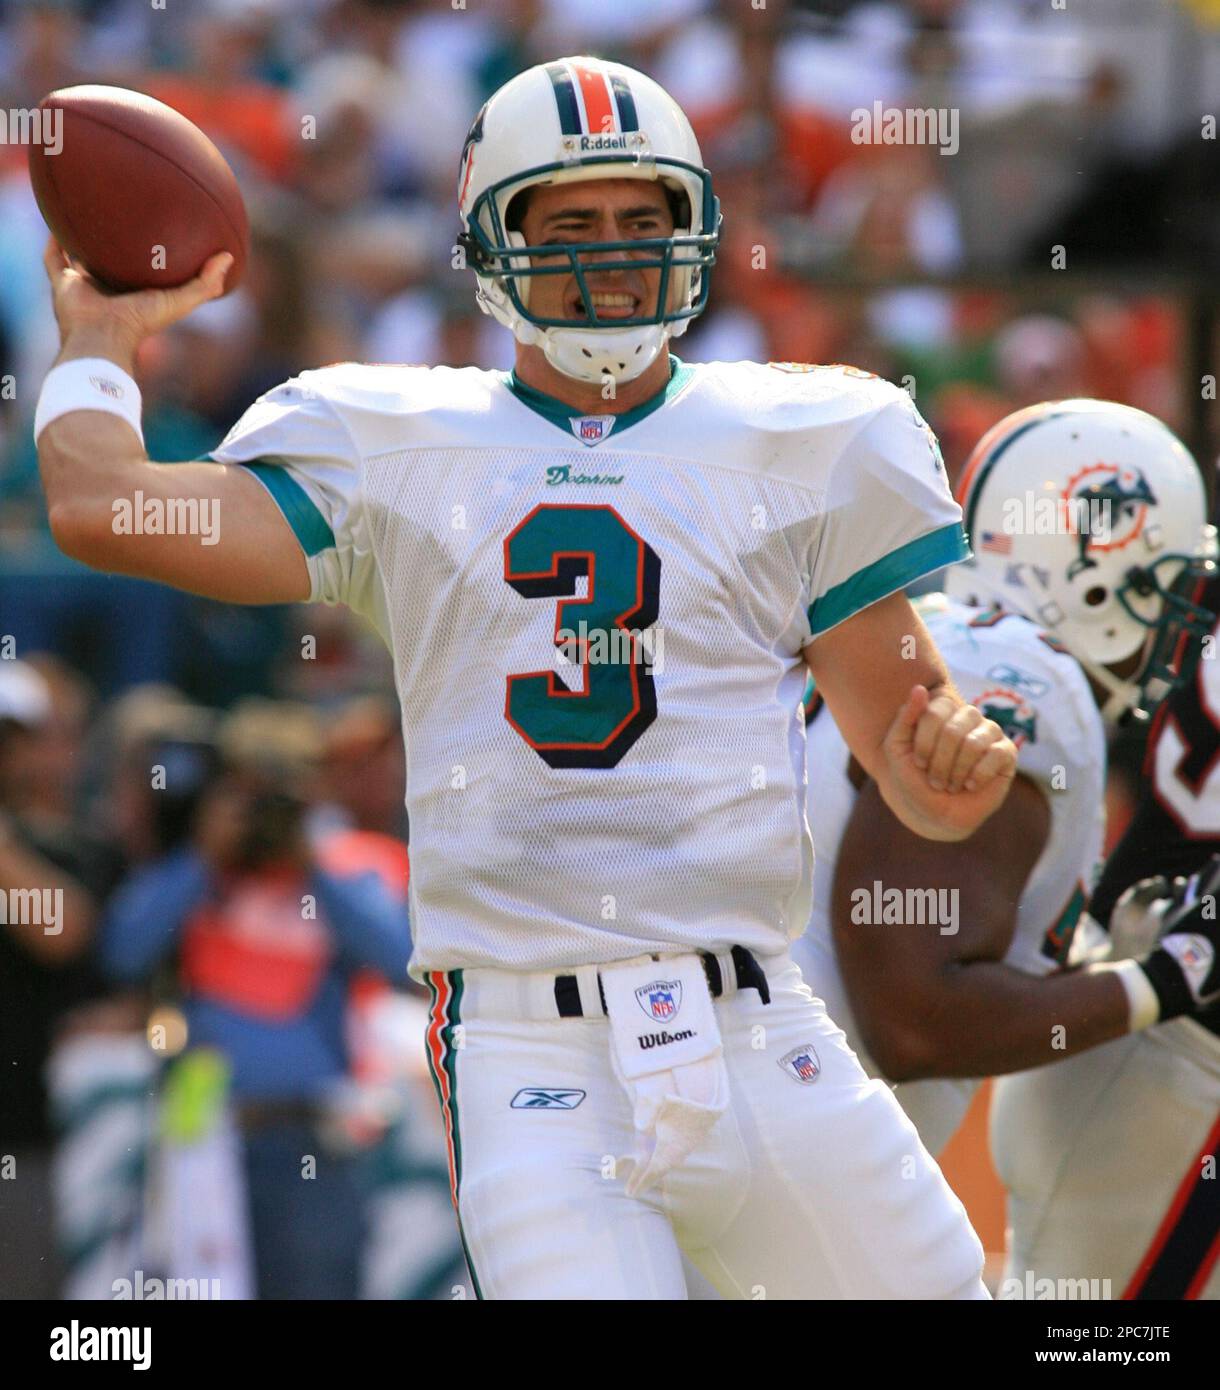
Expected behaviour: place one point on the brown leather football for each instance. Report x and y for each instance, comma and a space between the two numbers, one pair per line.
136, 193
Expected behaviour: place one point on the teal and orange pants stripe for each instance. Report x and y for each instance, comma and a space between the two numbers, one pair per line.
443, 1044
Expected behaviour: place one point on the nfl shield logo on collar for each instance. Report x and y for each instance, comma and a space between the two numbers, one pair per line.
802, 1063
592, 429
660, 1000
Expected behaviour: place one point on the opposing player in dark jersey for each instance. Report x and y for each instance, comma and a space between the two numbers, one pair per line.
1111, 1157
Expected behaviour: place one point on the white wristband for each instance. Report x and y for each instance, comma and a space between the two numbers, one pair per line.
88, 383
1144, 1008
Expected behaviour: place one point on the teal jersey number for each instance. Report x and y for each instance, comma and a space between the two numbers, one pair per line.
593, 725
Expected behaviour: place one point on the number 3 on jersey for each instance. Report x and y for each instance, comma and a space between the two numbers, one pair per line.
595, 724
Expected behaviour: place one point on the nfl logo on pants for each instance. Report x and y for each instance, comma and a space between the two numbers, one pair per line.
661, 999
802, 1063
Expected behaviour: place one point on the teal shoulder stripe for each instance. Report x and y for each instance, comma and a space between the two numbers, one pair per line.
892, 572
308, 524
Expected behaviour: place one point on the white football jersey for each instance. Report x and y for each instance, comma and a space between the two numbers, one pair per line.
1038, 694
597, 626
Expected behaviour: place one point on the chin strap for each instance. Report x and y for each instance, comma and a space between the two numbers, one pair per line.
1125, 696
592, 355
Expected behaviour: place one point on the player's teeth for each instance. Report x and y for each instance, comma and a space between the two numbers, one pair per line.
613, 301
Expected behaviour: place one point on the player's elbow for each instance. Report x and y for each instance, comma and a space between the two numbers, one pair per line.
67, 526
82, 531
903, 1049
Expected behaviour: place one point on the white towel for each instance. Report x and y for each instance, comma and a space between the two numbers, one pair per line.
667, 1056
674, 1111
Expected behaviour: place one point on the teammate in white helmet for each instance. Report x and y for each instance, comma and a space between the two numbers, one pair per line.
603, 578
945, 963
1110, 1159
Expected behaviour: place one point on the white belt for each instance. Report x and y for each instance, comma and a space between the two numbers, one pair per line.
574, 992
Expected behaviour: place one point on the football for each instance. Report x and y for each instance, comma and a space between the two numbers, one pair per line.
135, 192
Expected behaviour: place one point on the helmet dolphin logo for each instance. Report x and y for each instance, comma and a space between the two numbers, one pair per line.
1121, 496
1117, 591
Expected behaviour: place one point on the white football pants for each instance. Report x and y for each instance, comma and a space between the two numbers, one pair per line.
1110, 1160
812, 1185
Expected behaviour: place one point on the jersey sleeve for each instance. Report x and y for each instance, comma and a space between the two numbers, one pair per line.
296, 444
888, 516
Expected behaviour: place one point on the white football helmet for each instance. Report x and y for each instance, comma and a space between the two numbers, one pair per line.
1090, 519
563, 122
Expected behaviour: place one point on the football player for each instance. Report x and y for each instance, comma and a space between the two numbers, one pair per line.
944, 962
1110, 1160
603, 578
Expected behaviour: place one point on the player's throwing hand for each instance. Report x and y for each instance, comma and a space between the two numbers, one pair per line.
951, 764
95, 322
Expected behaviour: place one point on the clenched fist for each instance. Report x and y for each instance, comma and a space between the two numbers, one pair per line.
951, 766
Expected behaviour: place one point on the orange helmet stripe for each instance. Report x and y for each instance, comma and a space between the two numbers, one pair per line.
600, 117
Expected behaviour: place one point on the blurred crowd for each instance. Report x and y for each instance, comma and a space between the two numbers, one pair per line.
1078, 126
186, 774
213, 1066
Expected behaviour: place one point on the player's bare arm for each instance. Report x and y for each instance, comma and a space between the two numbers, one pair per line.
941, 767
933, 1004
589, 221
90, 459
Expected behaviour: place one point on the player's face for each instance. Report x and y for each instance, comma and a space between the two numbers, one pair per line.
600, 210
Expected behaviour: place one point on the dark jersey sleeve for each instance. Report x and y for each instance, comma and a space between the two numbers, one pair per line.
1176, 826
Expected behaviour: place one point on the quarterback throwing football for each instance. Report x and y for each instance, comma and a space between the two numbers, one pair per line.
609, 849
